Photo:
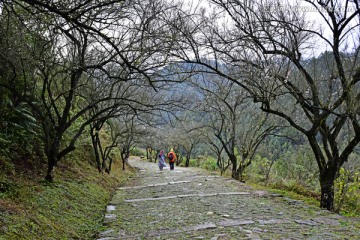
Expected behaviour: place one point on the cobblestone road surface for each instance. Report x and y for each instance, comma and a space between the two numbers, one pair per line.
190, 203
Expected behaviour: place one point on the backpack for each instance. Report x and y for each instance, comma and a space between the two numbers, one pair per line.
171, 157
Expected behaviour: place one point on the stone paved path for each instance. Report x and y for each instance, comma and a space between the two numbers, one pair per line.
190, 203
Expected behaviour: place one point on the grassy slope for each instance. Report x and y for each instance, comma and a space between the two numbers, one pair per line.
70, 208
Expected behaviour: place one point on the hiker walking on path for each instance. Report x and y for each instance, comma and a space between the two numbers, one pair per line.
161, 161
172, 157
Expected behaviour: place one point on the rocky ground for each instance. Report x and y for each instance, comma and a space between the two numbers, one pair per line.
190, 203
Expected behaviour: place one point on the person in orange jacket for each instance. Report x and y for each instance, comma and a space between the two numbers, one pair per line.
172, 158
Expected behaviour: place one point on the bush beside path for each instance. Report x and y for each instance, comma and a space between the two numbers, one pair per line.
190, 203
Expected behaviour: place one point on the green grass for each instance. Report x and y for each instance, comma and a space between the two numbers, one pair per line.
72, 207
307, 198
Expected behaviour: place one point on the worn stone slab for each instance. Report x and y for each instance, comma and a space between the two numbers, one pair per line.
138, 236
110, 208
217, 236
276, 195
126, 188
107, 233
256, 230
253, 236
110, 217
153, 185
260, 193
206, 176
327, 221
229, 223
207, 194
171, 183
307, 222
273, 221
292, 201
200, 227
160, 232
186, 195
235, 193
122, 232
149, 199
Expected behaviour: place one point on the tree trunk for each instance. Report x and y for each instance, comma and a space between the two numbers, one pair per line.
103, 157
110, 163
178, 159
49, 175
268, 172
52, 159
234, 171
125, 154
241, 171
187, 163
156, 155
94, 139
244, 163
149, 153
235, 174
123, 161
327, 190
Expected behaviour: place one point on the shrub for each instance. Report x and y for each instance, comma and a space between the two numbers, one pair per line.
137, 152
210, 164
192, 163
347, 192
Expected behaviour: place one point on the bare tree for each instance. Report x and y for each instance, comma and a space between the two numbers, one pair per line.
235, 123
133, 131
267, 49
187, 137
218, 149
90, 50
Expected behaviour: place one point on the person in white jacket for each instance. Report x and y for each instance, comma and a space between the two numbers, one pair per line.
161, 162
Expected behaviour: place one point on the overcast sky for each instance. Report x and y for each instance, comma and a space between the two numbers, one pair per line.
312, 15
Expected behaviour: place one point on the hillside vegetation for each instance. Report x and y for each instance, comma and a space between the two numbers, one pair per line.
71, 207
